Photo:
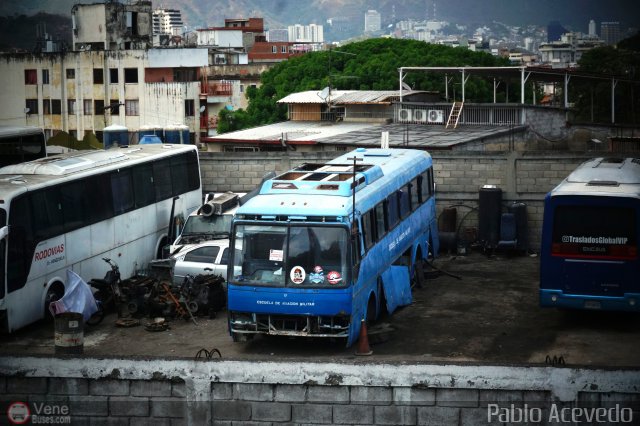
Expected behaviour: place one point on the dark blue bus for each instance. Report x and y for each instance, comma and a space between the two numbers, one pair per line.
589, 255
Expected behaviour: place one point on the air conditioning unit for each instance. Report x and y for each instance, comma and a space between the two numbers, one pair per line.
435, 116
420, 115
404, 115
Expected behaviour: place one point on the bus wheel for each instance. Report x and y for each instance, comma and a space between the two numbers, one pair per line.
55, 292
417, 278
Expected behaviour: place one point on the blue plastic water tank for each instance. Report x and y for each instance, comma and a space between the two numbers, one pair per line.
176, 134
149, 139
151, 130
115, 135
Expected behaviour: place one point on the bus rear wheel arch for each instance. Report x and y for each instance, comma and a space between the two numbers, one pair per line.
54, 292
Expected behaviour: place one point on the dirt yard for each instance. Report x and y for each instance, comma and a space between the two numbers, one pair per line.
488, 313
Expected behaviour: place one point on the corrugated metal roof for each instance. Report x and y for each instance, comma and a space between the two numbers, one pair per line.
310, 97
344, 97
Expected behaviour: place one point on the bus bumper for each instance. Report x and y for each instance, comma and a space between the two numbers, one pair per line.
556, 298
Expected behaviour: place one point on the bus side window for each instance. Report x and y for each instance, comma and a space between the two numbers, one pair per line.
381, 225
122, 191
368, 228
425, 184
404, 200
162, 179
21, 244
74, 207
393, 215
415, 191
143, 185
46, 207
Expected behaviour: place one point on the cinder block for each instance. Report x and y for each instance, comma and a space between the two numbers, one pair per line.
222, 390
150, 388
270, 412
62, 386
500, 397
253, 391
312, 413
476, 416
231, 410
394, 415
26, 385
128, 406
413, 396
441, 416
290, 393
107, 421
457, 397
353, 414
328, 394
109, 387
89, 405
377, 395
178, 389
145, 421
168, 407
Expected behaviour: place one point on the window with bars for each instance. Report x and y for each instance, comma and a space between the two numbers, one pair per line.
189, 108
131, 107
71, 106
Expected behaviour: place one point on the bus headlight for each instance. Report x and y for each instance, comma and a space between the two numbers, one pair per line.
554, 298
632, 302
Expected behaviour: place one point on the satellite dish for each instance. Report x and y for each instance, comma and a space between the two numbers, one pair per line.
27, 110
202, 108
324, 94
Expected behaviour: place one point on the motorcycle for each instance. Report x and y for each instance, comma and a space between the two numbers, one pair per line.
108, 293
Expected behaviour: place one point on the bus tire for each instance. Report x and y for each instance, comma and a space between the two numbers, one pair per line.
55, 292
417, 277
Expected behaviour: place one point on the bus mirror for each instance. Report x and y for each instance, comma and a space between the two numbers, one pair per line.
4, 231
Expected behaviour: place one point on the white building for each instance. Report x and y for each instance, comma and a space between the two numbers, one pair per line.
568, 50
372, 21
592, 28
167, 21
84, 92
311, 33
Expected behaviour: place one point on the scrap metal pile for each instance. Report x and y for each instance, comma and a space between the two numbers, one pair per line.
154, 296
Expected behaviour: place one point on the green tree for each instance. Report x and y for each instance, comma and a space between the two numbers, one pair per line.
593, 97
365, 65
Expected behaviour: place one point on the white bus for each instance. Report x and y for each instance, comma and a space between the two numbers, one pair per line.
21, 143
69, 211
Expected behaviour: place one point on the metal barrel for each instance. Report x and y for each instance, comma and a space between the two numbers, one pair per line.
69, 333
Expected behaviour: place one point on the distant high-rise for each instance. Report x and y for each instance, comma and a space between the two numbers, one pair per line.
610, 32
554, 31
167, 21
372, 21
312, 33
592, 28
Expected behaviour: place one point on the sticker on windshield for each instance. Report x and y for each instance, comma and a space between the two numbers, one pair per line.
317, 276
275, 255
297, 274
334, 277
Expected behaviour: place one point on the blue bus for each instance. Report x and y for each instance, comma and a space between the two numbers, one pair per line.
589, 255
324, 246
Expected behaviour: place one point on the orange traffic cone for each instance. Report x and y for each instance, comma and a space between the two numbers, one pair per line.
363, 341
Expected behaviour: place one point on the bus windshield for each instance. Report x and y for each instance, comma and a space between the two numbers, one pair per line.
291, 256
594, 231
215, 225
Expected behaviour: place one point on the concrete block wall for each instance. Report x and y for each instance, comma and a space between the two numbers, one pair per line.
227, 392
459, 175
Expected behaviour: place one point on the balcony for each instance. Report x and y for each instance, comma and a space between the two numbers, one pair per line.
216, 92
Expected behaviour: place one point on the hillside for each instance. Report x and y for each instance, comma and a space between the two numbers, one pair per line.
277, 13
